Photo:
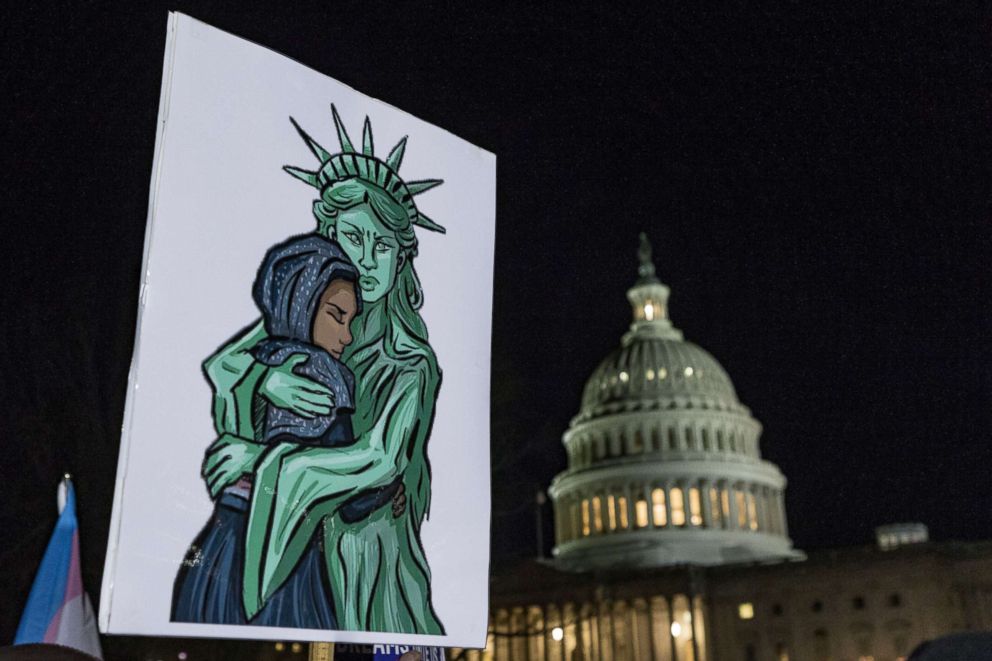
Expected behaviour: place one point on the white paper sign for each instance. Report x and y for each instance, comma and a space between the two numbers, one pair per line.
346, 457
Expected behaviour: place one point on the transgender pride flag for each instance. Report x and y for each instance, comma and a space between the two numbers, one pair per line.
58, 610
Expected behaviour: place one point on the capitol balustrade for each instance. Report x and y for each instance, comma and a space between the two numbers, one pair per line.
590, 446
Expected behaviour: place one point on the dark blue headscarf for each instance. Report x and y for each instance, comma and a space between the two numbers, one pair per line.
291, 280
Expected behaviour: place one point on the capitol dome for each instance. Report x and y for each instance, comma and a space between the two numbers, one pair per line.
664, 466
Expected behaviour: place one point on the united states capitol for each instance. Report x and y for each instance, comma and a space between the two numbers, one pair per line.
672, 539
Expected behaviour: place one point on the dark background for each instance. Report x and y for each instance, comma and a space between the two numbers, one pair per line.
815, 180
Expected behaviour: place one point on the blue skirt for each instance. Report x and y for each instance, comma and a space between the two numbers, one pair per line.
208, 586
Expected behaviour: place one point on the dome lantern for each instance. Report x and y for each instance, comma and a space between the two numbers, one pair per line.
649, 300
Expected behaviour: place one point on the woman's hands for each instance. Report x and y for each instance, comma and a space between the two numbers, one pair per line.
228, 459
292, 392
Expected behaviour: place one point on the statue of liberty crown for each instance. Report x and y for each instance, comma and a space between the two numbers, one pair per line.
350, 164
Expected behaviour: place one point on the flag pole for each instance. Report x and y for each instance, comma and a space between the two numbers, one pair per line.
63, 491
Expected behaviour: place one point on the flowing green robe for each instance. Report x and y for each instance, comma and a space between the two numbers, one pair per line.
377, 569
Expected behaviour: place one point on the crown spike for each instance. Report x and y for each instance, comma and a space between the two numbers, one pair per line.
396, 155
342, 134
418, 187
318, 151
423, 221
303, 175
367, 138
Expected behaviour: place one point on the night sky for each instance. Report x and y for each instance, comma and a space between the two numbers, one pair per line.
816, 185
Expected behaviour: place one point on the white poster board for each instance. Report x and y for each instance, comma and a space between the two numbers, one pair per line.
219, 201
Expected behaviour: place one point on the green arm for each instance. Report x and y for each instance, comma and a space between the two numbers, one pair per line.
234, 376
296, 487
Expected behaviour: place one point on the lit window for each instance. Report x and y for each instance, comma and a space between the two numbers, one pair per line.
611, 511
649, 375
745, 610
695, 507
649, 312
658, 503
585, 517
622, 506
676, 629
297, 648
624, 377
688, 371
662, 373
752, 512
597, 514
781, 652
557, 634
642, 513
678, 507
741, 508
725, 506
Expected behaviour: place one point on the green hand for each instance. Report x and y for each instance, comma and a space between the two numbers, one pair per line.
295, 393
228, 459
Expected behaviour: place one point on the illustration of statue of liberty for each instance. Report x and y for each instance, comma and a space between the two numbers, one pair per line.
317, 525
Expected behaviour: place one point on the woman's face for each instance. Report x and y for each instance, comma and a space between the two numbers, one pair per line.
372, 247
332, 323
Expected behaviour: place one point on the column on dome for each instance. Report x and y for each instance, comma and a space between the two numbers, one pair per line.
781, 508
563, 519
778, 511
707, 502
734, 522
576, 514
752, 507
585, 514
761, 503
766, 504
644, 510
629, 505
772, 515
572, 528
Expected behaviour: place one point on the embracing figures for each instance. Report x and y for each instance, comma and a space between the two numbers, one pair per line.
339, 521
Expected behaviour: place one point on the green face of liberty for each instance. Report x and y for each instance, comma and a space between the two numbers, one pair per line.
372, 247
